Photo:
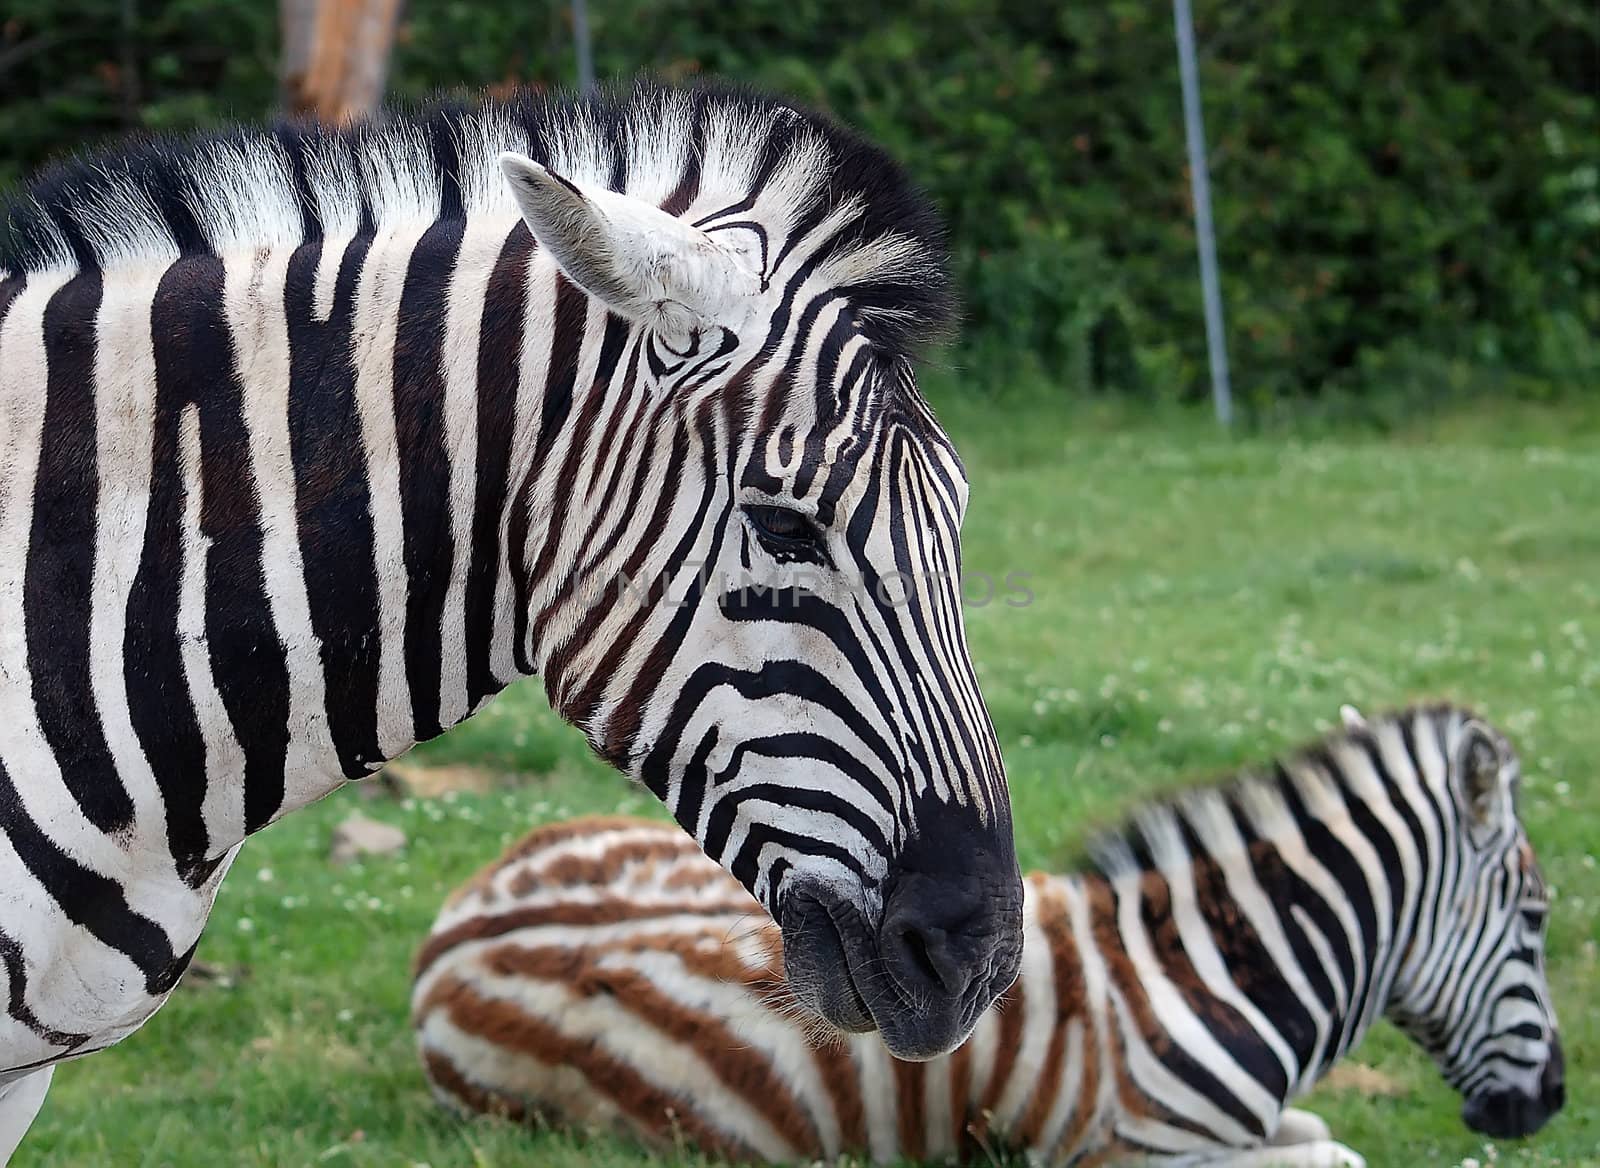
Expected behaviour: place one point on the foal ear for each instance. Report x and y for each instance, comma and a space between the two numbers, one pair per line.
645, 264
1486, 773
1351, 718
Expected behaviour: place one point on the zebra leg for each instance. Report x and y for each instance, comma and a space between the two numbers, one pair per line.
19, 1103
1299, 1127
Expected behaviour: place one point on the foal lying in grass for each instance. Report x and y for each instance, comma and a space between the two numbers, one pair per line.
1207, 966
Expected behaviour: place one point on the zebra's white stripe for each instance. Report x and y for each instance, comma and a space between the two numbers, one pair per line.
875, 1075
125, 410
1155, 1081
936, 1132
538, 331
24, 898
1363, 781
469, 285
1270, 818
336, 197
1038, 1017
222, 808
28, 758
1182, 1026
377, 316
551, 486
98, 996
1176, 865
253, 297
680, 1062
1208, 817
1074, 1063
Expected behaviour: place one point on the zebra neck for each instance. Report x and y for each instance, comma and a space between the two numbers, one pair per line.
510, 392
1282, 929
369, 469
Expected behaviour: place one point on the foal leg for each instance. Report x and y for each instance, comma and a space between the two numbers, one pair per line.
1318, 1154
1299, 1127
19, 1103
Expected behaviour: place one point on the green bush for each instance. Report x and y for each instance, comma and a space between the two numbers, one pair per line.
1393, 178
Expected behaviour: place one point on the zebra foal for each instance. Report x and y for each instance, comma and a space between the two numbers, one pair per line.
1209, 965
311, 441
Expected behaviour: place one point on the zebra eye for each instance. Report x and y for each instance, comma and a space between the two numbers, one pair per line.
783, 527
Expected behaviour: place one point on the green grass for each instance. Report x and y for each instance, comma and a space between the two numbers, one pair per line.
1199, 602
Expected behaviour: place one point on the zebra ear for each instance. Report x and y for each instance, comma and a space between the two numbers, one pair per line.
1351, 718
645, 264
1486, 778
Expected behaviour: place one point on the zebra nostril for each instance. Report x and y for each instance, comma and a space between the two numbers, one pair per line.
924, 957
920, 958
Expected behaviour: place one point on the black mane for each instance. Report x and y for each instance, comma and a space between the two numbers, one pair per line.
1109, 848
903, 307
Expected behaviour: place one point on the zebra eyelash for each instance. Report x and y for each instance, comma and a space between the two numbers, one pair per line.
787, 535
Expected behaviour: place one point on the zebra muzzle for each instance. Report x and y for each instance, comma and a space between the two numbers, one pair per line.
1507, 1115
921, 975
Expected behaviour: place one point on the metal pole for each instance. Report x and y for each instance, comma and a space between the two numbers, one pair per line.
580, 37
1205, 237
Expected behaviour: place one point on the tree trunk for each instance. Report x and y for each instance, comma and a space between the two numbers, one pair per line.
336, 56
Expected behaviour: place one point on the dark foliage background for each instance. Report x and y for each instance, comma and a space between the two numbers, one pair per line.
1408, 193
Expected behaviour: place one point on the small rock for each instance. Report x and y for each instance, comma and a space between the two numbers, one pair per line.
424, 782
209, 973
1363, 1080
359, 836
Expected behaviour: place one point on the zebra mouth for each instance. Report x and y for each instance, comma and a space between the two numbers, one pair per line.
1506, 1116
822, 957
1509, 1115
919, 978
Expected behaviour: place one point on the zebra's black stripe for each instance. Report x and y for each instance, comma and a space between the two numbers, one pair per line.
60, 569
16, 970
333, 502
241, 637
89, 900
499, 369
424, 464
168, 730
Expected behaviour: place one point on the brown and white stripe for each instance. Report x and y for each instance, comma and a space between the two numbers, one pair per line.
1175, 994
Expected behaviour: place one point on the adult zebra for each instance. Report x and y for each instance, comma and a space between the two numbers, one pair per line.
315, 440
1209, 964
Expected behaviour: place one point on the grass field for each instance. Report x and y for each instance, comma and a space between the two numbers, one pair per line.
1199, 601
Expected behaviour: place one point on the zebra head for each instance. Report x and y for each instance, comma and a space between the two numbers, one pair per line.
777, 649
1472, 990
